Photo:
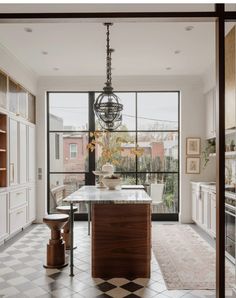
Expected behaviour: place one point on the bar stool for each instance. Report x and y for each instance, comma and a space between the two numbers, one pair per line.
56, 245
66, 229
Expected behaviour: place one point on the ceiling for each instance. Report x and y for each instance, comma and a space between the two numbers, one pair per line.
141, 48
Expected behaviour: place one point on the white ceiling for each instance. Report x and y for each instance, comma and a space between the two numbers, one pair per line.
140, 48
104, 7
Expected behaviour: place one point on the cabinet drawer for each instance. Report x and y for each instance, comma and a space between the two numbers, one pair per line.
17, 219
18, 198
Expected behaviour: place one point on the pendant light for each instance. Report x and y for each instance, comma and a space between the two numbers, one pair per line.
107, 106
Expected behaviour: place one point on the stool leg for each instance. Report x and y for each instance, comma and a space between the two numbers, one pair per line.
55, 250
71, 239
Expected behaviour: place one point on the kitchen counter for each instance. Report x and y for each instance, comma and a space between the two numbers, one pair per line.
212, 187
96, 195
121, 231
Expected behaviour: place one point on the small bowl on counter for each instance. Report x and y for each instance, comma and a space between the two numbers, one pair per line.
112, 181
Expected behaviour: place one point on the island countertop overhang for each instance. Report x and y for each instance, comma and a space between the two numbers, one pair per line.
92, 194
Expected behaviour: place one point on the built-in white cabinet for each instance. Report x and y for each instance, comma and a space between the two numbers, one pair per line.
204, 208
22, 153
213, 214
31, 204
31, 154
13, 152
210, 114
3, 216
17, 209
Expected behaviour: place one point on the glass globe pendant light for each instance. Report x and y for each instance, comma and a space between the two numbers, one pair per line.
107, 106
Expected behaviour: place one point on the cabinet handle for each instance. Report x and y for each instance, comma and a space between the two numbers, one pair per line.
12, 172
19, 212
18, 193
17, 114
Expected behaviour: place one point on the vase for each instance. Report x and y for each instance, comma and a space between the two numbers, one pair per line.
108, 167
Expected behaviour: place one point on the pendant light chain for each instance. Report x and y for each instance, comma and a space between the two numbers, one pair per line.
107, 106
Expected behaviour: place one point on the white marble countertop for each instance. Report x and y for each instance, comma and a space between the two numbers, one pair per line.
92, 194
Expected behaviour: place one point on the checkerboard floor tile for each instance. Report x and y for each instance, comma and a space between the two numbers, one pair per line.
22, 273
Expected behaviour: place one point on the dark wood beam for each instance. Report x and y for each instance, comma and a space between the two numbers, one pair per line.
220, 152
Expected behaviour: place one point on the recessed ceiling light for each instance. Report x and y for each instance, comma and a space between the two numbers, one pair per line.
168, 68
28, 29
55, 68
189, 28
177, 52
44, 52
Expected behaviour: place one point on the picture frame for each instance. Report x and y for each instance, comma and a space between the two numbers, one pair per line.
193, 165
193, 146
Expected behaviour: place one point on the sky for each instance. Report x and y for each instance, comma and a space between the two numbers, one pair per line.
73, 108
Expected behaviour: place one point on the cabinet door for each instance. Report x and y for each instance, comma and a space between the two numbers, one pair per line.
31, 204
210, 114
22, 101
22, 153
13, 97
3, 90
31, 108
201, 208
13, 149
213, 214
31, 154
3, 216
194, 216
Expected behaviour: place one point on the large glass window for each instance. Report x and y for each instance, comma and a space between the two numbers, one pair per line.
150, 122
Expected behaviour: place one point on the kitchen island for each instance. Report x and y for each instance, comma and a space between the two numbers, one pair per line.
121, 231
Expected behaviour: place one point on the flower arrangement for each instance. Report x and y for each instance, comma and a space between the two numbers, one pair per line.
111, 146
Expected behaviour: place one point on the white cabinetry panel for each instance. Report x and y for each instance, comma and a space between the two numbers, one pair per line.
22, 153
204, 208
17, 219
13, 139
31, 154
18, 198
31, 204
3, 216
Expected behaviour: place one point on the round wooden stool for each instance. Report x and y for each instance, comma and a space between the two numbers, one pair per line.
66, 229
56, 245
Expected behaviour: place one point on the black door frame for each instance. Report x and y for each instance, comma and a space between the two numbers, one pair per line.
220, 16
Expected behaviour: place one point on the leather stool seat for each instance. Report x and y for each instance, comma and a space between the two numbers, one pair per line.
56, 245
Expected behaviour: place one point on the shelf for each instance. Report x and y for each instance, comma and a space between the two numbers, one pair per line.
3, 150
2, 131
3, 169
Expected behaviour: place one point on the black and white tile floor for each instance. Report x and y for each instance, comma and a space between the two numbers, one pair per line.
22, 273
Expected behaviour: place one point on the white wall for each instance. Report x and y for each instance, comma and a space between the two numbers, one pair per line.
192, 113
17, 71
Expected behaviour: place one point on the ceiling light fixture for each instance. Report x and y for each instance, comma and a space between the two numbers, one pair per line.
168, 68
189, 28
177, 52
28, 29
107, 106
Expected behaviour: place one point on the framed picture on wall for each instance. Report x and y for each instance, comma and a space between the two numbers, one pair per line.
193, 165
193, 146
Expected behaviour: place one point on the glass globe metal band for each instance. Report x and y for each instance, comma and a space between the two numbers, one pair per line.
107, 106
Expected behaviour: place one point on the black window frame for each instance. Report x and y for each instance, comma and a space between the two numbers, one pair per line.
89, 176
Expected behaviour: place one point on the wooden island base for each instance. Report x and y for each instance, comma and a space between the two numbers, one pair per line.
121, 240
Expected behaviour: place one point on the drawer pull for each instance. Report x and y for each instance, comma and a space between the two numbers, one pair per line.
19, 212
18, 193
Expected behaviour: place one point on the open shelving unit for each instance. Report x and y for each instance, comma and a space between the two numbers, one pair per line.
3, 150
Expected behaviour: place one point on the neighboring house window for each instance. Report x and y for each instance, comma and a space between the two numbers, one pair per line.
73, 150
57, 146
